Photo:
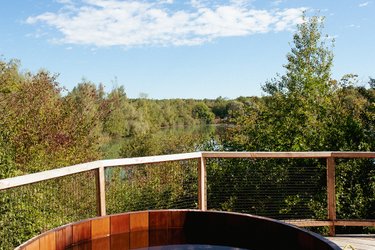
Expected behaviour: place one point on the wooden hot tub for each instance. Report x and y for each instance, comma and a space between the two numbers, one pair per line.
176, 229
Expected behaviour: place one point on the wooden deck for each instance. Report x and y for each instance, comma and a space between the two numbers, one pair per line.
354, 242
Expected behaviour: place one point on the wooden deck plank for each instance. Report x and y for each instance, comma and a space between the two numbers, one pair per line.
357, 242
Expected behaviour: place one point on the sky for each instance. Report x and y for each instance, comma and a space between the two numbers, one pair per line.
179, 49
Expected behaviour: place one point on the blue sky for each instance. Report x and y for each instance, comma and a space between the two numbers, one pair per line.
176, 48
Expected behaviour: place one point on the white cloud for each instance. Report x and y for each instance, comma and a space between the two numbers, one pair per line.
196, 3
286, 18
166, 1
364, 4
161, 23
354, 26
64, 1
277, 2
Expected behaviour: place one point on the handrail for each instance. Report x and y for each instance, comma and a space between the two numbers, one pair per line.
100, 165
47, 175
79, 168
261, 154
60, 172
151, 159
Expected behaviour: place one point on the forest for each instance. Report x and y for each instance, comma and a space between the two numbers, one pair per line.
44, 126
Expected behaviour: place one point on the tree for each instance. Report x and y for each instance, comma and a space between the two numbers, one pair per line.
219, 107
291, 115
115, 121
202, 112
10, 79
308, 70
40, 130
86, 114
371, 82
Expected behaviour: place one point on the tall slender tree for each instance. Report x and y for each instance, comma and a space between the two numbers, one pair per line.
292, 113
309, 63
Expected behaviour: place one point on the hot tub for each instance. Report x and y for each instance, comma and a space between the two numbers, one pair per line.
178, 229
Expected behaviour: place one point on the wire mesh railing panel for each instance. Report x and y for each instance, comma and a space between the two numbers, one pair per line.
29, 210
171, 185
276, 188
355, 188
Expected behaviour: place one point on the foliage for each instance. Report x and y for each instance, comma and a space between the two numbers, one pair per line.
306, 110
202, 112
166, 142
219, 108
119, 112
40, 130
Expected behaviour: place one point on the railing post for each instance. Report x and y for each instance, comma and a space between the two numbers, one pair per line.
331, 194
202, 184
100, 192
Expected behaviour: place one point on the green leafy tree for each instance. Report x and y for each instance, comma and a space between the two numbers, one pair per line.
308, 70
40, 130
115, 122
371, 82
291, 116
219, 107
84, 105
10, 79
202, 112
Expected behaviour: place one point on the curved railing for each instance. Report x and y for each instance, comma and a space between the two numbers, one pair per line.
201, 158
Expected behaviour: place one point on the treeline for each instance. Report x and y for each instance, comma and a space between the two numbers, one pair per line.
44, 126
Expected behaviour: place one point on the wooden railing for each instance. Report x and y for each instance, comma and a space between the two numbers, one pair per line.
99, 167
